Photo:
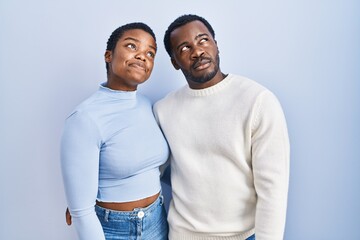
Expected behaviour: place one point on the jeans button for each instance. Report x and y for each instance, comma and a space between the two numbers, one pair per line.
141, 214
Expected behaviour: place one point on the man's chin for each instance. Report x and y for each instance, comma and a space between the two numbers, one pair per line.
203, 78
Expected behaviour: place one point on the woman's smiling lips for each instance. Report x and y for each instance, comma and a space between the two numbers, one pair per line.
138, 65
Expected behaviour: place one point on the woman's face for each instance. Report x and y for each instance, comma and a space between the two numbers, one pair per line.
132, 60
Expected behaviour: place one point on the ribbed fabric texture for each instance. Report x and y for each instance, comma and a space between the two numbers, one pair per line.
195, 236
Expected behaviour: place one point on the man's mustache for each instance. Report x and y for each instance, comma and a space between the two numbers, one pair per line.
200, 61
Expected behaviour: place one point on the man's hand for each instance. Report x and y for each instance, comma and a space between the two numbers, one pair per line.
68, 217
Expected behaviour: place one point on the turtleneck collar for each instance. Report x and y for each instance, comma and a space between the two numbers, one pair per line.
117, 93
210, 90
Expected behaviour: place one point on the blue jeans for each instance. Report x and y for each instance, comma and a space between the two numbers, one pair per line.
252, 237
142, 223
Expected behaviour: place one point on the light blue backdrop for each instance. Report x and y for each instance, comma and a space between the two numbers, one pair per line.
306, 51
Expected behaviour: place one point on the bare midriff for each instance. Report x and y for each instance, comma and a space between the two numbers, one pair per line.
129, 206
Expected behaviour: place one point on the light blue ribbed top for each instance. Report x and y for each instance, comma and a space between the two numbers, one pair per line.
111, 150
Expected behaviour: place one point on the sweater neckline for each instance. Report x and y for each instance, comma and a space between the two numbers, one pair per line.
117, 93
210, 90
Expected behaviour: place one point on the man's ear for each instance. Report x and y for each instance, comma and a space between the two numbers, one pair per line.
108, 56
176, 66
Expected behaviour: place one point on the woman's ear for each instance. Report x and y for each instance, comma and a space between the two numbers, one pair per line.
108, 56
176, 66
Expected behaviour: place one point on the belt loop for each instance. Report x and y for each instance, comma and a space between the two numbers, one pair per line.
161, 199
106, 217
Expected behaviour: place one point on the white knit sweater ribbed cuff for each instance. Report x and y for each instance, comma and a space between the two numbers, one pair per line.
194, 236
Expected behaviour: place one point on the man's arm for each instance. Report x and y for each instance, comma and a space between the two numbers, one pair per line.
270, 159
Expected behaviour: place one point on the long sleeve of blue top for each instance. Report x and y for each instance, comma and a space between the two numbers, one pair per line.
80, 163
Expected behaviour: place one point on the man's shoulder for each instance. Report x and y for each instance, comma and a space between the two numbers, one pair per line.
245, 87
253, 90
246, 82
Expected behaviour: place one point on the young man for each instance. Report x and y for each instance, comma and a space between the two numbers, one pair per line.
229, 145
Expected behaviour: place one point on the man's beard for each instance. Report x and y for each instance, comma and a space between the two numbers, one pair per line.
206, 77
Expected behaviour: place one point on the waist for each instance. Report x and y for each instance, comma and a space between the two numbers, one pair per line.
129, 206
137, 186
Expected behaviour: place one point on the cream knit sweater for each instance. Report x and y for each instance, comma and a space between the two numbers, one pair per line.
229, 161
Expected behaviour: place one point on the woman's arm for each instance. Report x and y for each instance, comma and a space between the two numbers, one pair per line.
80, 147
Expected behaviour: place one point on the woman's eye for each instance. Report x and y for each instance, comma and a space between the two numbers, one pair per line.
131, 46
151, 54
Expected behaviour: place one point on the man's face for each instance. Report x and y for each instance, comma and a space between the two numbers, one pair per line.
132, 60
195, 52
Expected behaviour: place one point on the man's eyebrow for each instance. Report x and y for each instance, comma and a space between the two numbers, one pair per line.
137, 40
196, 38
201, 35
181, 44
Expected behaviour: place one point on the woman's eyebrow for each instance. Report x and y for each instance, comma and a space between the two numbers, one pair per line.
137, 40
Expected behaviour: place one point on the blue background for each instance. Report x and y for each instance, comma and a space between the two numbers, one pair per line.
306, 52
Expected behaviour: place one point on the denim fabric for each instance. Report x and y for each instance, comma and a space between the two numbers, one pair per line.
141, 224
252, 237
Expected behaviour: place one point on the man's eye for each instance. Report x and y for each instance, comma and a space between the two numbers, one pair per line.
185, 48
203, 40
131, 46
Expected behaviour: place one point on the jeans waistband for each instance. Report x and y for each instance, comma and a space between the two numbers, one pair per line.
136, 213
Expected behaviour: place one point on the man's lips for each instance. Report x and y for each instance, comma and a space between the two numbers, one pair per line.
201, 63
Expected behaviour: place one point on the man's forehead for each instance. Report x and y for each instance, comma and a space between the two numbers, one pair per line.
189, 30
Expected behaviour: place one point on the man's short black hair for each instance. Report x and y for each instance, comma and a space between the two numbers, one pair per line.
180, 21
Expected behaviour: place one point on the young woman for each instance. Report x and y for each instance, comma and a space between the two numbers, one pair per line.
112, 148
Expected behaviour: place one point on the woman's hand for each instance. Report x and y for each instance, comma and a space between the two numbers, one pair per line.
68, 217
